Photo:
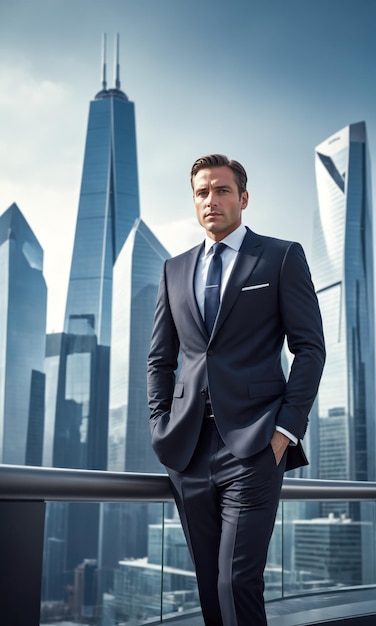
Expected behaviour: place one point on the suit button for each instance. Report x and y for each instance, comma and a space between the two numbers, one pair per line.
203, 392
210, 352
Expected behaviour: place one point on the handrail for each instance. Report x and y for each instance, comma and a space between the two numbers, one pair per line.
21, 482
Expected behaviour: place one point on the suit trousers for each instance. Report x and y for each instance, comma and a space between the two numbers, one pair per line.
227, 507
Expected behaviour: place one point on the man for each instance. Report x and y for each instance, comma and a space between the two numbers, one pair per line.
230, 425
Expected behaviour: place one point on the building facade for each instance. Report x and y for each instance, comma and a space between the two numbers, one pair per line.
108, 207
342, 271
137, 582
23, 305
136, 278
332, 552
78, 360
124, 526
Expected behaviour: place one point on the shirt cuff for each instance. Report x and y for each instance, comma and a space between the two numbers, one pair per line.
293, 439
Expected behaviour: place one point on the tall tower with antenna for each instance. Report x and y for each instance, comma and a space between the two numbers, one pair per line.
108, 207
78, 360
94, 420
77, 408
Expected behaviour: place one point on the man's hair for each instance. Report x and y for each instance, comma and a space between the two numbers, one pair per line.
220, 160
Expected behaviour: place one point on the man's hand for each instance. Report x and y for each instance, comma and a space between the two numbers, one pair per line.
279, 443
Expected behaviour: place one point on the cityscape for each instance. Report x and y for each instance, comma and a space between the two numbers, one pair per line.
84, 404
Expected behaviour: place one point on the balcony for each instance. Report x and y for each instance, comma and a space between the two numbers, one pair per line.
334, 581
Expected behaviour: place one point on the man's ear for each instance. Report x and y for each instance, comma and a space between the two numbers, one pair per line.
244, 199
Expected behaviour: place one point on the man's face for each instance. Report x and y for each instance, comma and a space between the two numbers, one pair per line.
216, 197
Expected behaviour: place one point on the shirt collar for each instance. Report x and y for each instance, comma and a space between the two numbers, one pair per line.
234, 240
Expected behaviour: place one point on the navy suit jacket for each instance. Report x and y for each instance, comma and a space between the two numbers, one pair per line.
269, 296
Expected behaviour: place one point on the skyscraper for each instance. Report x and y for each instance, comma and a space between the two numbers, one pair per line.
23, 302
108, 208
78, 360
343, 275
124, 526
136, 279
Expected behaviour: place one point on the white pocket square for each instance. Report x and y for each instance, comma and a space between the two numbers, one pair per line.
255, 287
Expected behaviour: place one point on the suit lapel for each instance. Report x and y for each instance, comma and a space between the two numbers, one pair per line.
247, 259
190, 268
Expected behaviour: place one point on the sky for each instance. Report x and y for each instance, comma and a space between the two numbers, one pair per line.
262, 81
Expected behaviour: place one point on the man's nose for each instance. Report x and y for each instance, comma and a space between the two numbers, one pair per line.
211, 199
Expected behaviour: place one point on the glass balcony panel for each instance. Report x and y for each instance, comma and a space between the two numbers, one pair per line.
113, 573
140, 572
180, 594
326, 551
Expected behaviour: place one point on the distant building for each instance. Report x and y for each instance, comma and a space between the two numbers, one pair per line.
76, 404
53, 569
170, 536
335, 445
136, 278
85, 592
334, 451
78, 360
342, 271
137, 582
124, 526
137, 590
332, 552
97, 366
108, 610
108, 208
23, 304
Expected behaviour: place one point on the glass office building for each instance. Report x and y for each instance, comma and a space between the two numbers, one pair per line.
136, 278
342, 271
108, 207
333, 552
75, 432
23, 303
135, 285
78, 360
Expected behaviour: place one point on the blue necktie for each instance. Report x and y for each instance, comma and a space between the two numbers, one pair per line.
213, 286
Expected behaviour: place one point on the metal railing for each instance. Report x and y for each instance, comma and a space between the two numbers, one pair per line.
22, 483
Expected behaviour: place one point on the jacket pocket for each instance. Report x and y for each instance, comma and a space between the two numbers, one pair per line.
270, 388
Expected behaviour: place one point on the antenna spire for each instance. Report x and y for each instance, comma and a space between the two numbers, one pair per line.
117, 65
104, 46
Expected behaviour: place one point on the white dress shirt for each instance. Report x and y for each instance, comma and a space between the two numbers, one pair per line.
233, 242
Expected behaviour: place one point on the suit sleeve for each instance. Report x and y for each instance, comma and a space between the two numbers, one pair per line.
163, 355
303, 327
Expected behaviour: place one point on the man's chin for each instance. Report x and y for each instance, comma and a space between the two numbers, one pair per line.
213, 227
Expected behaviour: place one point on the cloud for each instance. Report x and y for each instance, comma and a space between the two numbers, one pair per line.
40, 134
178, 235
40, 168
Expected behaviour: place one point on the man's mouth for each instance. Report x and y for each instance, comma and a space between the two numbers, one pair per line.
212, 214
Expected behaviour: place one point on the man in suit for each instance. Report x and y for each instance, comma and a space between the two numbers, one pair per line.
225, 422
